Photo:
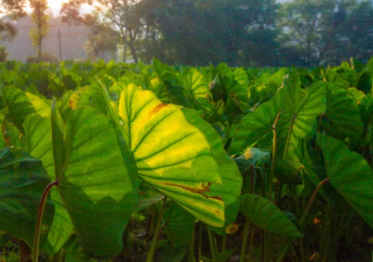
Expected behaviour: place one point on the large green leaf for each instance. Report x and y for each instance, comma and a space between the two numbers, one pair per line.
316, 172
301, 107
18, 104
179, 224
255, 125
171, 154
232, 179
199, 90
37, 141
298, 109
350, 174
74, 252
344, 113
265, 215
22, 183
97, 182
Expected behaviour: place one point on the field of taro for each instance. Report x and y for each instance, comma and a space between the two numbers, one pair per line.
118, 162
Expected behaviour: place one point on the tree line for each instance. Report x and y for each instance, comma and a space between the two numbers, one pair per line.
198, 32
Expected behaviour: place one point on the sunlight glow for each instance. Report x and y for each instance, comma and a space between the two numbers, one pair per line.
55, 4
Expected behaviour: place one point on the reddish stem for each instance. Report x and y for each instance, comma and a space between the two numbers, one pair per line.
40, 218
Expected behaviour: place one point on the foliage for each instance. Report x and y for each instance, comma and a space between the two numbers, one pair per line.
44, 57
181, 149
3, 54
41, 21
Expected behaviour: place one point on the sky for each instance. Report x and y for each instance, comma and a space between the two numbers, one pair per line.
55, 5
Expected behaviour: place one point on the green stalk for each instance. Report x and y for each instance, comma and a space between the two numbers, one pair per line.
191, 256
251, 242
274, 149
43, 200
7, 141
3, 250
244, 242
200, 242
325, 236
213, 247
153, 245
302, 221
312, 200
224, 244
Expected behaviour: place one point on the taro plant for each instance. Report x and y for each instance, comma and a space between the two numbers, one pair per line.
276, 161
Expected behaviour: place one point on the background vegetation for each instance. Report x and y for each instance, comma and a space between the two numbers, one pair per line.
198, 32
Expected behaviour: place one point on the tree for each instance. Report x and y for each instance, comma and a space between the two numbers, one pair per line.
41, 20
122, 16
303, 22
356, 33
3, 54
101, 38
10, 11
196, 32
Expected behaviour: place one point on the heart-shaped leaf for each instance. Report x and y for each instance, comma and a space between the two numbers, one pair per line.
350, 174
171, 154
22, 183
265, 215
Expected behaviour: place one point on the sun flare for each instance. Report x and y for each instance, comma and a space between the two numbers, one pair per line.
55, 4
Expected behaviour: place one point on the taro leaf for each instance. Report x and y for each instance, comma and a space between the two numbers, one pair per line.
22, 182
40, 105
301, 107
252, 157
344, 113
241, 77
199, 90
96, 183
37, 142
265, 215
350, 174
179, 224
256, 125
297, 106
147, 196
172, 155
357, 95
225, 255
231, 83
173, 254
19, 106
315, 170
232, 179
287, 172
14, 135
366, 109
74, 251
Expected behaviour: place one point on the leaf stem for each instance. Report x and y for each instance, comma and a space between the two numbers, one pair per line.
213, 246
39, 219
191, 255
312, 200
153, 245
244, 242
224, 244
274, 149
303, 219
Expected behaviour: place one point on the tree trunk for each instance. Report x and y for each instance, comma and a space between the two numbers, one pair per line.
131, 44
133, 52
308, 53
125, 46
